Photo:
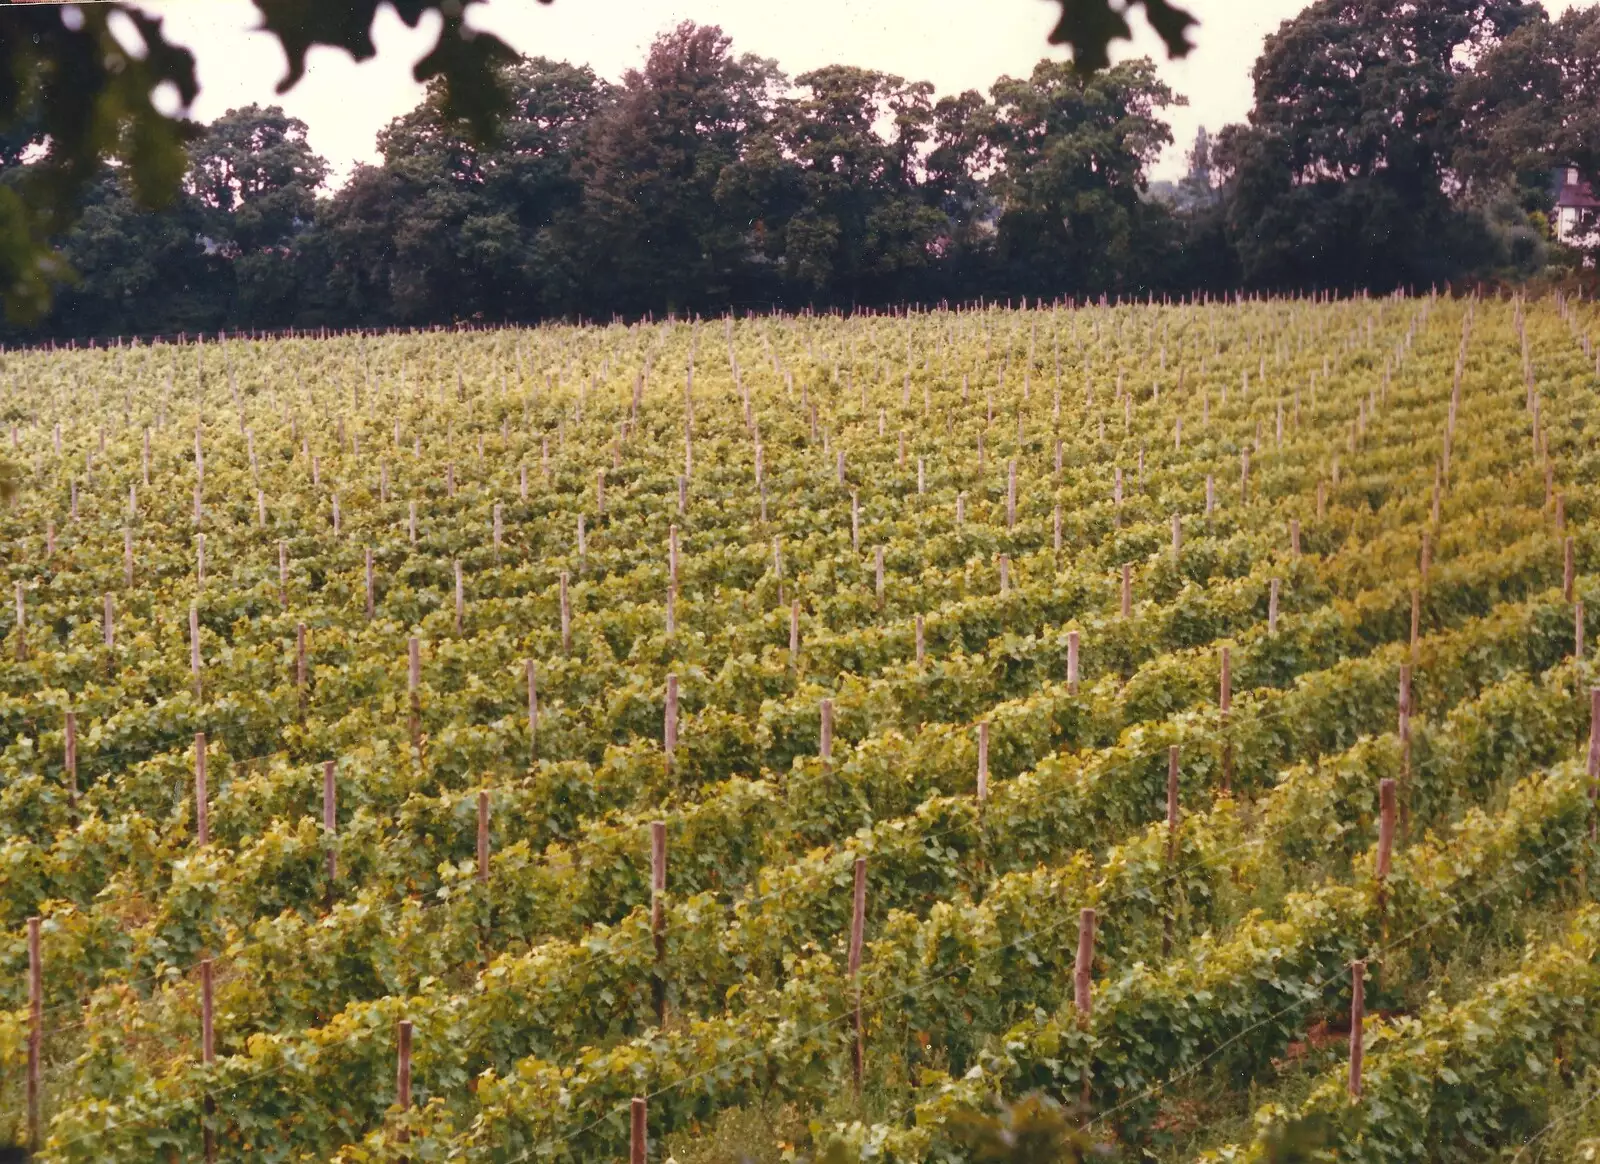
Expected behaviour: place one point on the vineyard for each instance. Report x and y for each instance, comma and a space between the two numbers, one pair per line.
796, 736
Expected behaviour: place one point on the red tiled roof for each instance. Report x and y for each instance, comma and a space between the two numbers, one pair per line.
1578, 195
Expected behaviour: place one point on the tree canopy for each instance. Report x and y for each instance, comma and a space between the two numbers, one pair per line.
82, 95
1385, 147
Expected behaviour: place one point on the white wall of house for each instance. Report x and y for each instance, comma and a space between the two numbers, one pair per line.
1567, 222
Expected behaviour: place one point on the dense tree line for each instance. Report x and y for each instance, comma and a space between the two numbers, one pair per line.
1387, 146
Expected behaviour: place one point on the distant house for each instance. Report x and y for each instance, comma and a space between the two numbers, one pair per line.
1577, 210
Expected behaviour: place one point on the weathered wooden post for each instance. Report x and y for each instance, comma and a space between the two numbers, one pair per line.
983, 763
202, 801
330, 821
670, 724
638, 1147
658, 915
1358, 1012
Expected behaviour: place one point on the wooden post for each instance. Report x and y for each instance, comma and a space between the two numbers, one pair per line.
483, 836
1358, 1014
983, 763
1272, 607
858, 925
1177, 537
1225, 683
825, 730
1566, 569
208, 1056
411, 523
533, 717
194, 647
1072, 662
877, 584
1427, 558
1011, 494
1127, 589
1082, 966
637, 1145
1416, 623
70, 757
566, 617
300, 662
330, 821
670, 727
283, 575
1386, 823
35, 1031
658, 914
202, 803
921, 642
794, 630
208, 1052
461, 603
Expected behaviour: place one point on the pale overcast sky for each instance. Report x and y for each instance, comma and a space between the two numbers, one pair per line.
955, 44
